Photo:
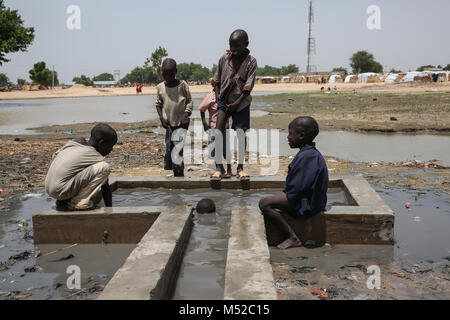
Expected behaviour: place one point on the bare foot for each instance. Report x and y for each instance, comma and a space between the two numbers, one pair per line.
291, 242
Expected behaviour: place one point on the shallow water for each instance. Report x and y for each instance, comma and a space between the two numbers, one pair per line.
421, 234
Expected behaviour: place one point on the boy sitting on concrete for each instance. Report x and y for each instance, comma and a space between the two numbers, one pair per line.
305, 194
175, 98
78, 171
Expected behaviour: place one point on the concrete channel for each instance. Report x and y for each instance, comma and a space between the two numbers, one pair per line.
162, 234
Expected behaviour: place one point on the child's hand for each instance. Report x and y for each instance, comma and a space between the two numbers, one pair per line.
205, 126
165, 123
185, 118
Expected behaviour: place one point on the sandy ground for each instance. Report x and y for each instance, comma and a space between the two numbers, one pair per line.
82, 91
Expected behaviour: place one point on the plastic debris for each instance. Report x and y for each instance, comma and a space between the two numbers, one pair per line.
103, 276
25, 160
417, 219
2, 246
320, 293
407, 205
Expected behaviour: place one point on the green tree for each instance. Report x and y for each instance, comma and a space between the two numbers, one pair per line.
340, 70
41, 75
363, 61
20, 82
140, 75
285, 70
192, 72
83, 80
213, 70
4, 80
14, 36
422, 68
395, 71
103, 77
447, 67
155, 61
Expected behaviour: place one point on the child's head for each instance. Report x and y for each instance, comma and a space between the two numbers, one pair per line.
205, 206
103, 138
302, 130
238, 42
169, 69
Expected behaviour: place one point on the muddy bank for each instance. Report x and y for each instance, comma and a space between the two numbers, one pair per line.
367, 112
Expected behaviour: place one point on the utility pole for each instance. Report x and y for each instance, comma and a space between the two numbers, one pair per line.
311, 40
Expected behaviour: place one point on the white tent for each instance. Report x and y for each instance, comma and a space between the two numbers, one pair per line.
333, 78
391, 78
363, 77
347, 78
409, 77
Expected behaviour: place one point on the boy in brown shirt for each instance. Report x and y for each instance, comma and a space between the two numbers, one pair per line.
233, 82
175, 98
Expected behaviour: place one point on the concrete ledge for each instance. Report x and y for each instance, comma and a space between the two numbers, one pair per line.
248, 273
151, 270
52, 226
371, 221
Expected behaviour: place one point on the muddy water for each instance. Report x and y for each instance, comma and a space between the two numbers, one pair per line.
97, 263
16, 116
421, 236
373, 147
203, 269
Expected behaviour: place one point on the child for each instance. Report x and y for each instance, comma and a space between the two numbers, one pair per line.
175, 98
78, 171
233, 82
205, 206
209, 103
305, 194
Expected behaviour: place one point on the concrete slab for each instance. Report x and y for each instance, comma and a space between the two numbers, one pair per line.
370, 221
151, 270
52, 227
248, 273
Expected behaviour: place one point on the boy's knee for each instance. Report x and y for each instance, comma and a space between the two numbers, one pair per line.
264, 203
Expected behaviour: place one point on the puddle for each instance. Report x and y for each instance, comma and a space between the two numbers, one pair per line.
202, 273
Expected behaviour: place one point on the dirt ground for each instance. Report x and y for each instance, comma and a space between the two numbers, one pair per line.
360, 111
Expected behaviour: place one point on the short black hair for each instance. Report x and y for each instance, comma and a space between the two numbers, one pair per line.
306, 124
103, 131
169, 64
206, 206
239, 34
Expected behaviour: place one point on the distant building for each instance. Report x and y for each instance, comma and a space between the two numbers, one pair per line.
105, 84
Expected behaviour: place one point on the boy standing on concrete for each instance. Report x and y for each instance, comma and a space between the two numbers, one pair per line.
233, 82
175, 98
305, 194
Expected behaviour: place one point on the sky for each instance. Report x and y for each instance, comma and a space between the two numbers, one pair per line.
120, 35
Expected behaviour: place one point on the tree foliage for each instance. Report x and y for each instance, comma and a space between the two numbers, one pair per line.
340, 70
83, 80
14, 36
274, 71
363, 61
104, 77
193, 72
141, 75
4, 80
422, 68
20, 82
395, 71
447, 67
155, 61
41, 75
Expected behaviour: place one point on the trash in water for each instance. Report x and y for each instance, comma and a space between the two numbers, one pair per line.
320, 293
305, 269
417, 219
23, 224
103, 276
70, 256
407, 205
33, 269
25, 160
2, 246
